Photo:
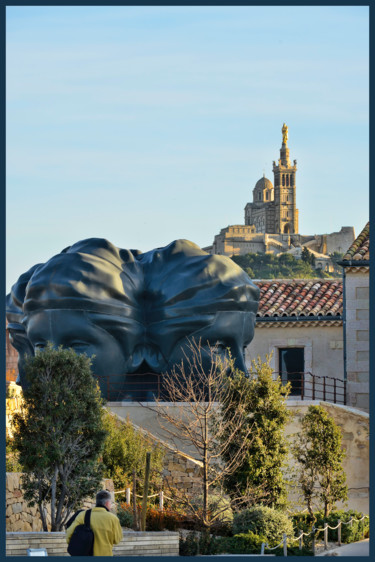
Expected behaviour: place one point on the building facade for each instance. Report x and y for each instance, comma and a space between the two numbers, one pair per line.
271, 219
356, 266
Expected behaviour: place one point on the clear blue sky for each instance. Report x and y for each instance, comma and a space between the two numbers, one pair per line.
146, 124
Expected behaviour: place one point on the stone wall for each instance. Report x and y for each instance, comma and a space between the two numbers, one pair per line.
11, 359
19, 517
133, 544
354, 424
357, 336
181, 472
355, 429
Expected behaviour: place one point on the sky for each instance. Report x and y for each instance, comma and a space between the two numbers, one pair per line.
144, 124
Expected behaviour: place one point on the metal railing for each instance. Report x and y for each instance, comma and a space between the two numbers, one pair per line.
146, 387
308, 386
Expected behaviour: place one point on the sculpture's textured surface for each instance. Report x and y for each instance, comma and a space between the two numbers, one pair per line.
134, 312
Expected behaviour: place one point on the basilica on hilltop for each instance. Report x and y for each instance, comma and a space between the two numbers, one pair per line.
271, 219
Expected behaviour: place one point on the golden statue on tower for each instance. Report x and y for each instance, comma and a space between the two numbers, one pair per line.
284, 131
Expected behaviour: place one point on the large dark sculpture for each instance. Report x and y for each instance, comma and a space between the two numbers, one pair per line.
134, 312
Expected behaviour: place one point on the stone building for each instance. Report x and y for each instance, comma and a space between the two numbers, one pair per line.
273, 209
271, 219
356, 266
299, 325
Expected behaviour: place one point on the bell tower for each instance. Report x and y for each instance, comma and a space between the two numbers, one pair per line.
286, 213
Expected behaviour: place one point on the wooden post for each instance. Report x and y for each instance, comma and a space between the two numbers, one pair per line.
326, 536
339, 533
127, 496
324, 389
145, 492
135, 515
300, 539
313, 540
284, 545
161, 500
262, 548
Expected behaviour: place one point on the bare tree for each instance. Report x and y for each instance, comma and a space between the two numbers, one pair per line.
196, 409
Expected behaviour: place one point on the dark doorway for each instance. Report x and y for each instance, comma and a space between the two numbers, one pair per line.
291, 368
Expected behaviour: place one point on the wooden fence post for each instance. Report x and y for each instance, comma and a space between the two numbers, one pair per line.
145, 492
285, 550
262, 548
127, 496
300, 539
161, 500
135, 514
326, 536
313, 540
339, 533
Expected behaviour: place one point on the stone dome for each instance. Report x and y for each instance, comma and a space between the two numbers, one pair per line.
263, 183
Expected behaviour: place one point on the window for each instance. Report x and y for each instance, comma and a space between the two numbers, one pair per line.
259, 196
292, 180
267, 195
291, 368
287, 180
283, 178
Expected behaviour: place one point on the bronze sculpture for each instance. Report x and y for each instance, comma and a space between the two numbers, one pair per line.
133, 311
284, 131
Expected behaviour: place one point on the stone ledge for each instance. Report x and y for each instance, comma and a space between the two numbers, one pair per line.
153, 543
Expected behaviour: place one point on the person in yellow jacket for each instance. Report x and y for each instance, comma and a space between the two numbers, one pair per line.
105, 525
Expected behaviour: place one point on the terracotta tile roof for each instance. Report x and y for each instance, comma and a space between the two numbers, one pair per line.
300, 297
360, 249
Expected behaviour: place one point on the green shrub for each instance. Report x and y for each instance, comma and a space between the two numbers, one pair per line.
199, 544
125, 515
12, 463
243, 543
349, 533
263, 521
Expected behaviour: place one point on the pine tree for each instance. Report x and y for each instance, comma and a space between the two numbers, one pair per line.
59, 433
264, 401
320, 454
125, 450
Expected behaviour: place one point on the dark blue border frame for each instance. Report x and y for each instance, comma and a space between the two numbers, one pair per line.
3, 217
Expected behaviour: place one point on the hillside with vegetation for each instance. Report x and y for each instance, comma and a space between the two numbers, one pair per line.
285, 266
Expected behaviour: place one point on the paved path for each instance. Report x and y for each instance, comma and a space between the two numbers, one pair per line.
361, 548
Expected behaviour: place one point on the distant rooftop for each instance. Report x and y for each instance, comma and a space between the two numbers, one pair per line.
360, 249
300, 297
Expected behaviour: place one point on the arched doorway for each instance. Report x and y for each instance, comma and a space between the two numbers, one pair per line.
287, 228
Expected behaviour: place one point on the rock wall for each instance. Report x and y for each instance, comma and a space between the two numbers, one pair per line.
11, 358
181, 472
19, 517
